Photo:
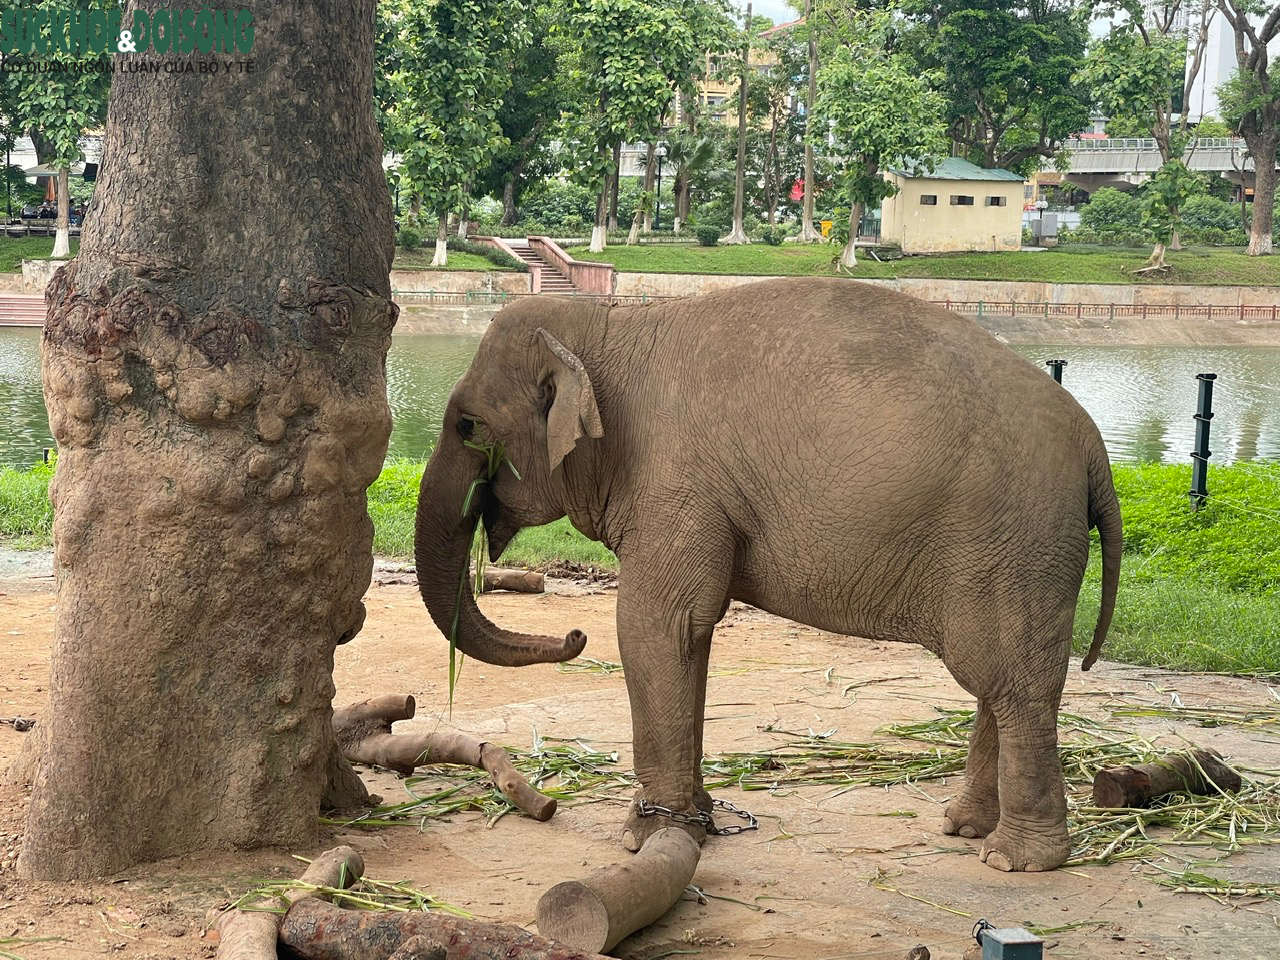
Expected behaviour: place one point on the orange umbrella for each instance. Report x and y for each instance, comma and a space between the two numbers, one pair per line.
50, 189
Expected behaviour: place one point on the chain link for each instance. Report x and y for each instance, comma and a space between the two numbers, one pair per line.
646, 809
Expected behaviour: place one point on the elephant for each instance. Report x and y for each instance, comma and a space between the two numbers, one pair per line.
833, 452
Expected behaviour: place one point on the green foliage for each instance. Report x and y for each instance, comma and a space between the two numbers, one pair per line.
1162, 199
1131, 71
708, 234
495, 256
62, 101
444, 79
1113, 216
773, 236
1007, 72
559, 204
1204, 211
409, 238
878, 107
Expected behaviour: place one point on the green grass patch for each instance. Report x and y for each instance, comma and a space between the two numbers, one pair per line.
26, 516
1196, 266
1198, 591
420, 259
13, 250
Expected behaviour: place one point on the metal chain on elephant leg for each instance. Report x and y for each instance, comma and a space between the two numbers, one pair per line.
646, 809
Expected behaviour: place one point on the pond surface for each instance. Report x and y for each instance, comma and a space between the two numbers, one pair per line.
1142, 398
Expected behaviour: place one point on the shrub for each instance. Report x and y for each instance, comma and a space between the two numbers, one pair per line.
773, 236
1206, 211
708, 235
1113, 215
410, 238
557, 203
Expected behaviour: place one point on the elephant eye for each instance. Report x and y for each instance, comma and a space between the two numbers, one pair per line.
466, 428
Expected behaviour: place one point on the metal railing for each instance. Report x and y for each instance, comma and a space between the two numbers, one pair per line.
1149, 143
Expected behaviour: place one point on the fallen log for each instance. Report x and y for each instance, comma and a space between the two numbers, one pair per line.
600, 910
420, 948
363, 731
1198, 771
315, 930
517, 581
252, 934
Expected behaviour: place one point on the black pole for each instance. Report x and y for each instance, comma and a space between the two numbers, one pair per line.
1055, 367
1200, 455
8, 184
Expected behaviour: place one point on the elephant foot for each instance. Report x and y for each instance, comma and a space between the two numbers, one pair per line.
970, 817
639, 828
1022, 850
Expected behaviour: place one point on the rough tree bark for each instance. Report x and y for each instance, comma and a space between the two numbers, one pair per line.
214, 374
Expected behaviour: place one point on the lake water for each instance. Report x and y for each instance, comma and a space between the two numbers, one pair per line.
1142, 398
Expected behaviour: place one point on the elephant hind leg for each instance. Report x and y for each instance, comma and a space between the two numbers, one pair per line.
976, 811
1018, 680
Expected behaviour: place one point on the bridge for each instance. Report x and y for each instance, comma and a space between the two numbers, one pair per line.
1125, 162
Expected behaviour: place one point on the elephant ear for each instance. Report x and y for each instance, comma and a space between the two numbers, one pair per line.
573, 410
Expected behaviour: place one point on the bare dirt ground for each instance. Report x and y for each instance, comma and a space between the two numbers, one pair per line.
827, 875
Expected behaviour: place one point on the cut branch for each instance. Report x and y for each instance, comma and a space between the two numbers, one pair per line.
315, 930
599, 911
1200, 772
252, 934
363, 731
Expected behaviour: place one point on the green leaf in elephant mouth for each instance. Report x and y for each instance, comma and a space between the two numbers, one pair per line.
495, 459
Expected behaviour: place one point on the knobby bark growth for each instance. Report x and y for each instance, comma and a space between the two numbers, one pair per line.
214, 372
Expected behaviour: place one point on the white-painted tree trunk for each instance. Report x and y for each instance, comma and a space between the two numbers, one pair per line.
442, 254
736, 234
676, 225
62, 239
849, 256
597, 239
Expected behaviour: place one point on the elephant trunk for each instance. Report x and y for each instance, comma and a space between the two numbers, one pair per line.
442, 545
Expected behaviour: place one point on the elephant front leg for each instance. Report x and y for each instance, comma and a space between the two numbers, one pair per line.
665, 641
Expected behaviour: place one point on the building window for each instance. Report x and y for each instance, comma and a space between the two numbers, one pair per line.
929, 199
961, 201
996, 201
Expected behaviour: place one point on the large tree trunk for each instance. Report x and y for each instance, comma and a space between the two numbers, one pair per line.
599, 229
62, 239
613, 186
1264, 193
214, 374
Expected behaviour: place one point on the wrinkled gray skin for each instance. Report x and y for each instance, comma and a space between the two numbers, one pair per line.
832, 452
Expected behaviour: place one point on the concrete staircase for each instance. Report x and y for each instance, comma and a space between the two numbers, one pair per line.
17, 310
553, 281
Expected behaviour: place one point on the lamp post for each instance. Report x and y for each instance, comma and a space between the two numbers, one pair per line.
657, 203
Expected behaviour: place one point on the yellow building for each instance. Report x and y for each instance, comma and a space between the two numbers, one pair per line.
959, 206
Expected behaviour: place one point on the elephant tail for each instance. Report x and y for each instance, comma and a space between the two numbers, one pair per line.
1104, 513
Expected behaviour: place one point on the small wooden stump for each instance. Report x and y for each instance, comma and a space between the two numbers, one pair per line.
364, 735
252, 934
1200, 772
599, 911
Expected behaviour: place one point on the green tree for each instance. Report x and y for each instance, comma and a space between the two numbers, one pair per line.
56, 105
442, 95
1114, 215
881, 111
1008, 69
1251, 104
625, 63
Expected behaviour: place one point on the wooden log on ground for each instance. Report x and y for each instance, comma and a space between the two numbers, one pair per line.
363, 731
252, 934
599, 911
1200, 772
517, 581
315, 930
420, 948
